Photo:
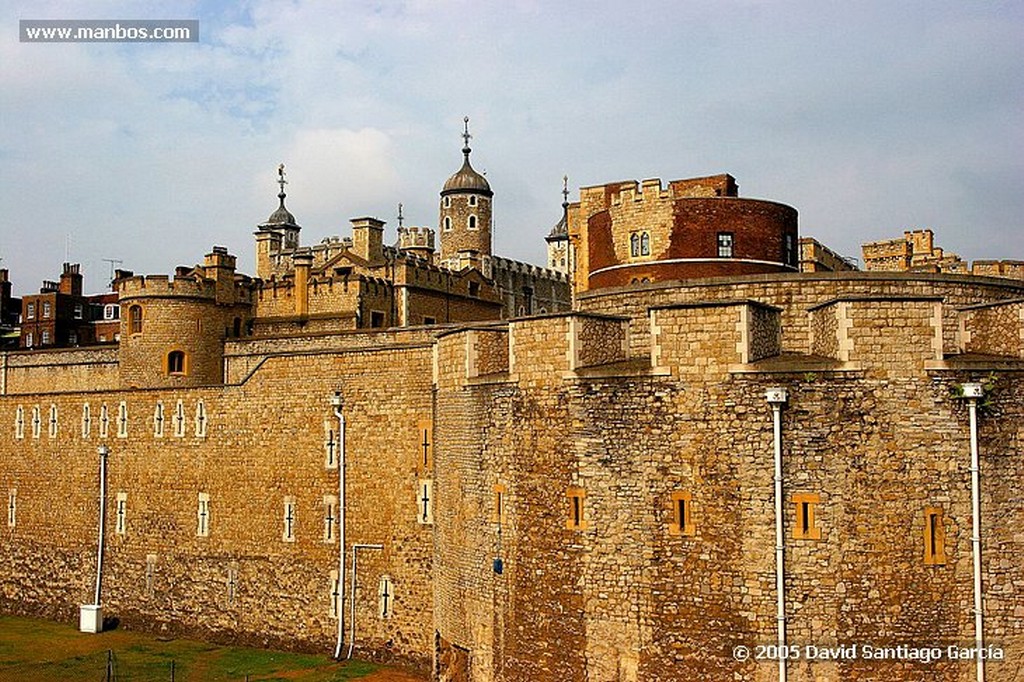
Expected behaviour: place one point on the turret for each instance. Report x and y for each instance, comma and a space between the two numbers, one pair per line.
279, 233
465, 216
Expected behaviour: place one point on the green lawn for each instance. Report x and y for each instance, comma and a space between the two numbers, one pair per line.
35, 650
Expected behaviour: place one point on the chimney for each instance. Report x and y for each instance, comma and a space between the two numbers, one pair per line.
368, 239
71, 280
303, 260
219, 265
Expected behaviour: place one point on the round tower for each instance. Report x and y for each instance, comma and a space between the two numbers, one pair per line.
465, 222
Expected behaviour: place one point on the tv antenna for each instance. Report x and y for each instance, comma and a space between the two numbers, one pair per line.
113, 262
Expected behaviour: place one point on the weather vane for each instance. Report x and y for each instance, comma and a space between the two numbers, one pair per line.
400, 216
281, 181
565, 189
466, 135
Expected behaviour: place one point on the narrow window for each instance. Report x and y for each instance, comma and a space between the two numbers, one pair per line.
30, 311
120, 522
934, 537
425, 444
429, 320
386, 594
12, 507
425, 502
498, 516
472, 222
576, 520
28, 340
19, 423
78, 311
805, 527
122, 420
150, 574
472, 200
474, 289
236, 327
330, 518
110, 311
682, 514
203, 516
37, 422
86, 420
645, 243
45, 340
47, 310
231, 583
788, 250
158, 420
634, 245
73, 338
104, 421
200, 420
447, 202
179, 419
288, 535
53, 421
334, 596
447, 223
176, 362
135, 319
330, 446
725, 244
376, 319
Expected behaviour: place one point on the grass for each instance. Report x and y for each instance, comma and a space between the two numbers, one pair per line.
35, 650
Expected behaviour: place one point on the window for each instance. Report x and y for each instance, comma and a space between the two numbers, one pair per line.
334, 596
200, 420
78, 311
425, 444
471, 222
645, 243
474, 288
788, 250
330, 446
45, 340
447, 202
429, 320
47, 310
37, 421
176, 362
725, 244
203, 516
19, 423
376, 319
104, 421
73, 338
158, 420
330, 518
231, 583
472, 200
122, 420
150, 574
425, 502
576, 520
805, 527
12, 507
120, 523
30, 311
386, 594
111, 311
682, 514
634, 245
447, 224
500, 500
86, 420
28, 340
288, 520
53, 421
135, 319
179, 420
934, 537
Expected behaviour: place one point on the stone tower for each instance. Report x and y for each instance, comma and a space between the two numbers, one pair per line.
559, 250
465, 222
279, 233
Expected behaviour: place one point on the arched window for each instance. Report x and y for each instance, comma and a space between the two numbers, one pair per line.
472, 200
472, 222
176, 362
634, 245
447, 202
447, 223
135, 319
237, 327
645, 243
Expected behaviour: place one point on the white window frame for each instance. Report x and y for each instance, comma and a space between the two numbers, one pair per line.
122, 420
203, 516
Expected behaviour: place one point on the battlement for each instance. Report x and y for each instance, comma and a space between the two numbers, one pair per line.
416, 238
619, 193
163, 286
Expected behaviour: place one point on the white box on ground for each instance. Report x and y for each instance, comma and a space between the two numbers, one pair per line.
91, 618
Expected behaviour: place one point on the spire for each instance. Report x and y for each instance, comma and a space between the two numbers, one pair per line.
401, 218
465, 138
565, 193
280, 217
561, 229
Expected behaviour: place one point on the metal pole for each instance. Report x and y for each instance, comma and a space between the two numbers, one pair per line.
336, 401
103, 451
777, 397
352, 618
979, 631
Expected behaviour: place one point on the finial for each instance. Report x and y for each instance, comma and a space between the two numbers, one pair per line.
400, 216
466, 136
282, 182
565, 191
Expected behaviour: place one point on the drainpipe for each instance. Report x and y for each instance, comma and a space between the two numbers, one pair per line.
103, 451
972, 392
352, 599
337, 402
776, 397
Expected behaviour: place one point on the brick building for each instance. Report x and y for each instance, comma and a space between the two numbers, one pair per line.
10, 313
916, 252
620, 491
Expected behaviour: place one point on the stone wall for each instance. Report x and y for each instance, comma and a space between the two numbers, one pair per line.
993, 329
80, 369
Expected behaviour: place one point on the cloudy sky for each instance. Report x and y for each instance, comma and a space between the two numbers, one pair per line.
868, 117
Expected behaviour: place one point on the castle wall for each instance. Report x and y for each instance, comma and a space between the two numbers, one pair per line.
65, 370
993, 329
245, 582
628, 595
